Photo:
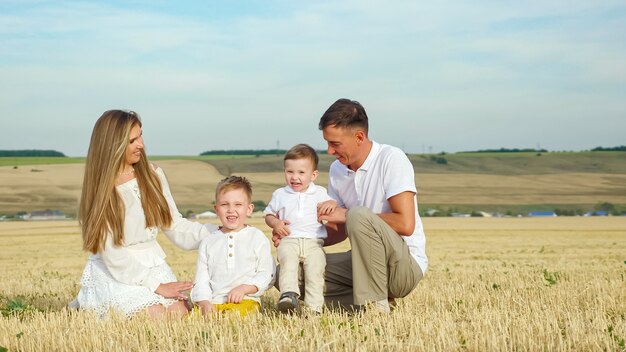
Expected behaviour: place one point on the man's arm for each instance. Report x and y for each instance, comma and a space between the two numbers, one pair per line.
335, 226
402, 216
401, 219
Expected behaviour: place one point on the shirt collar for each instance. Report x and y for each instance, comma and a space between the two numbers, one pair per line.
232, 232
309, 190
370, 157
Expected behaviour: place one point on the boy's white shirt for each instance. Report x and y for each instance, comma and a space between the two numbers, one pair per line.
227, 260
300, 209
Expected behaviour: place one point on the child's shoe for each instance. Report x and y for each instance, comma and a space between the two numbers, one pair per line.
288, 302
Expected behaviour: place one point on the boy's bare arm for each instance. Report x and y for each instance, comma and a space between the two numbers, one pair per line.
279, 228
272, 220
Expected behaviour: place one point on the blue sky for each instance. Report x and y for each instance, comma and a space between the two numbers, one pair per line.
204, 75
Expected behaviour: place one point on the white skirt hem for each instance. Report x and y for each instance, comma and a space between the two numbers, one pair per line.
101, 293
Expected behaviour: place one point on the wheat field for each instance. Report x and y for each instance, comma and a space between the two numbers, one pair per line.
494, 284
57, 186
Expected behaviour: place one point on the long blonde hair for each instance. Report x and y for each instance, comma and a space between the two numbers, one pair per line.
101, 211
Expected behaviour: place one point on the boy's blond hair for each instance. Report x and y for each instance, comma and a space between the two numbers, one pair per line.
232, 183
302, 151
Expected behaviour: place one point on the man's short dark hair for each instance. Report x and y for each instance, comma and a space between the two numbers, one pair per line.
345, 113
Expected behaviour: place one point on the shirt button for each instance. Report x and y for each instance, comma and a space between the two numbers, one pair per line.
230, 246
231, 237
230, 254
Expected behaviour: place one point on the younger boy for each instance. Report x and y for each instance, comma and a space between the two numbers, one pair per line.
235, 264
293, 210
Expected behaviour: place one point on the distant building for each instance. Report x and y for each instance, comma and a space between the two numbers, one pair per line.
46, 215
431, 212
258, 214
206, 215
541, 213
597, 213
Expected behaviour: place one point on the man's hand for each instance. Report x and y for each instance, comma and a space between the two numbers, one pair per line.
335, 226
326, 207
338, 216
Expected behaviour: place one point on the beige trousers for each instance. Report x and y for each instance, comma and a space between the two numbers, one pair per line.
379, 265
382, 266
308, 251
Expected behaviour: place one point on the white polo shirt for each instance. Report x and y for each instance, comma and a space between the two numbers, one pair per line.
385, 173
300, 209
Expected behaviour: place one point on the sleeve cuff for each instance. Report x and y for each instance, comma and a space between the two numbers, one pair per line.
150, 283
197, 297
260, 288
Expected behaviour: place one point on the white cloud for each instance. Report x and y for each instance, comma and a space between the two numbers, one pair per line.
203, 82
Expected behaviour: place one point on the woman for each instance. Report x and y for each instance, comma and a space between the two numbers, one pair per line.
125, 201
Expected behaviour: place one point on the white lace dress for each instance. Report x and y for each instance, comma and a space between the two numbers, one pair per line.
124, 278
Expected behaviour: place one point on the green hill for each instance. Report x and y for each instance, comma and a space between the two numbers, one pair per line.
481, 163
524, 163
466, 163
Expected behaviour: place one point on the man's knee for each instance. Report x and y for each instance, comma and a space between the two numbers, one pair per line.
356, 218
358, 213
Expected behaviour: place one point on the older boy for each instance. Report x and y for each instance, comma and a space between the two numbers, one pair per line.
235, 264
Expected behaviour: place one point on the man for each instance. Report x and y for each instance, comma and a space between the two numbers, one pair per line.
374, 186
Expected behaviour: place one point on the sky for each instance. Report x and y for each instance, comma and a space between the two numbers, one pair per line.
204, 75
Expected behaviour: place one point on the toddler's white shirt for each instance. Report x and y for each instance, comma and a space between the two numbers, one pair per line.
300, 209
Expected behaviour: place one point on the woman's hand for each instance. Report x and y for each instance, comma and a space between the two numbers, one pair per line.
174, 289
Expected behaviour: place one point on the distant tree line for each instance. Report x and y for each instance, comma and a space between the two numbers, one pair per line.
244, 152
621, 148
603, 208
508, 150
439, 159
250, 152
30, 152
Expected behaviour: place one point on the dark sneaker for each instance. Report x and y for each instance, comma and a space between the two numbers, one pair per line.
392, 303
288, 302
